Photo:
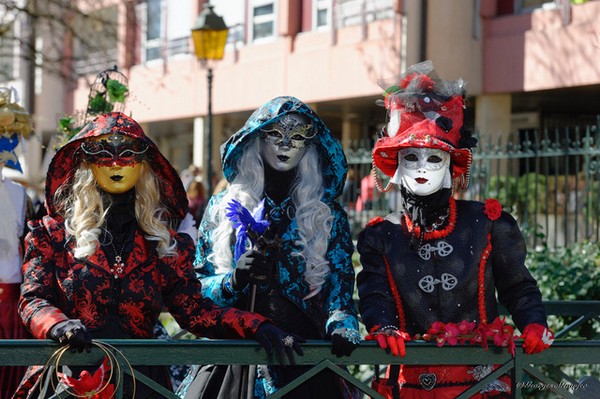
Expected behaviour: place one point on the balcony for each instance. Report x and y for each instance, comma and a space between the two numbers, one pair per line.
540, 50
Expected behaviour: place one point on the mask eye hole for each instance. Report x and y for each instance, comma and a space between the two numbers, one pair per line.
434, 159
104, 154
274, 134
99, 154
411, 157
127, 154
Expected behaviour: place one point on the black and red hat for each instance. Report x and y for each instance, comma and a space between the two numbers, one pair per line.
424, 112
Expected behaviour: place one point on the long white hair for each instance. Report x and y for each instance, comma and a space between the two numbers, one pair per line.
84, 212
313, 216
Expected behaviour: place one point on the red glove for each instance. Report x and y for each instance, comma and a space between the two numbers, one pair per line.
390, 337
537, 338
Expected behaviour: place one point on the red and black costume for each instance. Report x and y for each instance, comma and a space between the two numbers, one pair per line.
440, 259
440, 285
113, 302
434, 285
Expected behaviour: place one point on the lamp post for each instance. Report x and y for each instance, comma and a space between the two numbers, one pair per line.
210, 36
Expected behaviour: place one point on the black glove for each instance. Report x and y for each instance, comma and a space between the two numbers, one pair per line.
73, 333
343, 344
252, 267
270, 336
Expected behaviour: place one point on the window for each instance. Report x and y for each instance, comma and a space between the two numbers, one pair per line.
529, 5
166, 28
153, 30
355, 12
179, 25
321, 13
95, 41
263, 20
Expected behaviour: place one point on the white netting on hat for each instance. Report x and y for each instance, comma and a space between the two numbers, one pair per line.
419, 89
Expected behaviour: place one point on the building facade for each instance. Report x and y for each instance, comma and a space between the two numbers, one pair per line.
527, 64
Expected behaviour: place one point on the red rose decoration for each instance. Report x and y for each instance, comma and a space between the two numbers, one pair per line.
465, 332
501, 334
492, 209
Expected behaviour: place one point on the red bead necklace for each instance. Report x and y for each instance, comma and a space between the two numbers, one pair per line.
435, 234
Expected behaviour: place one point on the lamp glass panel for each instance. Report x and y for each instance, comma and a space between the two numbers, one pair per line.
210, 44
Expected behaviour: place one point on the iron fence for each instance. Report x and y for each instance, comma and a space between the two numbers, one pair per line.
549, 180
530, 374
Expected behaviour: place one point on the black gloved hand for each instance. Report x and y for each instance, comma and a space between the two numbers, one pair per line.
252, 267
344, 343
73, 333
270, 336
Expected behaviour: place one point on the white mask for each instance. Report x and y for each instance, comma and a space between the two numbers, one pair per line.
423, 171
283, 144
281, 158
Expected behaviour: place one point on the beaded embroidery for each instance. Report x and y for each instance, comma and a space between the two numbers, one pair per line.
435, 234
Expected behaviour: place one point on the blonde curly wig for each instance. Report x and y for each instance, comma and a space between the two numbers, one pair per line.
80, 202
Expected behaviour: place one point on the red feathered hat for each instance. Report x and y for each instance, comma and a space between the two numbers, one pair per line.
426, 112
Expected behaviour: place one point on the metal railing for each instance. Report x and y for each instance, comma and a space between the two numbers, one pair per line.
549, 180
318, 354
521, 368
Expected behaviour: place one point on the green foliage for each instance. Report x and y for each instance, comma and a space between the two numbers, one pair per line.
66, 130
66, 125
531, 193
99, 105
567, 273
503, 188
116, 91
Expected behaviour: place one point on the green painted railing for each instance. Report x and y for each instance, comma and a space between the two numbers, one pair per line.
524, 369
316, 353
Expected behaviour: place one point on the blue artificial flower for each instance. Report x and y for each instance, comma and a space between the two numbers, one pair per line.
8, 144
248, 225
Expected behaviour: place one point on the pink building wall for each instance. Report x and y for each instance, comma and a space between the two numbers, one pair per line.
307, 65
336, 70
535, 51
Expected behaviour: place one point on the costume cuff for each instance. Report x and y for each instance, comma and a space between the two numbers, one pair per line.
228, 290
350, 334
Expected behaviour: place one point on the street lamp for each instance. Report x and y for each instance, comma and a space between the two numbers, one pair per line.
210, 36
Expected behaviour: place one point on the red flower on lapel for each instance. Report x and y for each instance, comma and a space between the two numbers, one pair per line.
492, 209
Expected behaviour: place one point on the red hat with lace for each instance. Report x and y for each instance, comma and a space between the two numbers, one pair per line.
425, 112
